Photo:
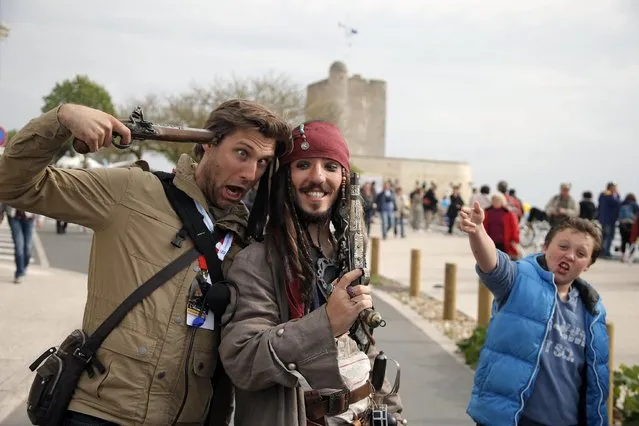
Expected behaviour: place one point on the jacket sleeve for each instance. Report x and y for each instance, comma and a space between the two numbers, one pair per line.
257, 350
27, 181
393, 401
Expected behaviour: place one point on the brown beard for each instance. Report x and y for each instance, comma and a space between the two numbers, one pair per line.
315, 218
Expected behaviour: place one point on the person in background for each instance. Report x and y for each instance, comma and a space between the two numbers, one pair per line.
515, 204
416, 208
561, 205
387, 206
368, 198
456, 203
607, 215
403, 211
429, 203
483, 197
627, 216
587, 208
21, 223
502, 226
511, 202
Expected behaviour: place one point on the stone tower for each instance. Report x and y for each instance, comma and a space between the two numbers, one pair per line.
357, 106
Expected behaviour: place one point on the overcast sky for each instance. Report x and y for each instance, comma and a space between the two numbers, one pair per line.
535, 92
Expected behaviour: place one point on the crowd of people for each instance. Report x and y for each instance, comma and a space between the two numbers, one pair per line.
281, 340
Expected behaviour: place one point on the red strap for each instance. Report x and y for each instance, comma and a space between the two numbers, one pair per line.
202, 263
295, 303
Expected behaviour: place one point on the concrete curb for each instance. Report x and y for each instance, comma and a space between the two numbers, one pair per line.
39, 248
422, 324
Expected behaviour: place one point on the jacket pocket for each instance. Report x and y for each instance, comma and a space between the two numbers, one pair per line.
130, 358
200, 389
204, 363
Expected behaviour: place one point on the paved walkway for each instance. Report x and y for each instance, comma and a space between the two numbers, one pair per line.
36, 315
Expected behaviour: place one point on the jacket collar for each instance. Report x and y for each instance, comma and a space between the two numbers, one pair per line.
588, 294
235, 218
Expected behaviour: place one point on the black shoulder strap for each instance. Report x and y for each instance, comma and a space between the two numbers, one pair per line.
194, 225
169, 271
218, 295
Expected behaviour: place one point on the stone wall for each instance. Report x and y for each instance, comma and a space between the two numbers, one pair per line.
407, 171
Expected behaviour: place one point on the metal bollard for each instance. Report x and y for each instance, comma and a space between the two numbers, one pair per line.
484, 303
611, 398
374, 256
414, 272
450, 291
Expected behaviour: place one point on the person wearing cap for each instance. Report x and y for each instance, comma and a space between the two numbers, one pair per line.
561, 205
286, 345
152, 375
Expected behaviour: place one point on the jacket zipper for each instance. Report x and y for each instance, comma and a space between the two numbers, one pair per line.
594, 369
543, 344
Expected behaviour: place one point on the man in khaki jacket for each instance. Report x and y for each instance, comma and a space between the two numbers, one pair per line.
287, 341
147, 355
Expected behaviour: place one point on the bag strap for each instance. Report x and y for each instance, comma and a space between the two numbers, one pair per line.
169, 271
218, 295
194, 225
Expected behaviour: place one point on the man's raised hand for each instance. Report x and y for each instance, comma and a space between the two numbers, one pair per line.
91, 126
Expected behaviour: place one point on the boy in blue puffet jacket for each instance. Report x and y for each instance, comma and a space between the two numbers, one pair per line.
545, 358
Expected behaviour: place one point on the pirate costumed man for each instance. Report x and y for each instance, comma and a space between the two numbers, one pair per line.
287, 346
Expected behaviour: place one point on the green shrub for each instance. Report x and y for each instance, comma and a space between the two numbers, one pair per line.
471, 347
626, 394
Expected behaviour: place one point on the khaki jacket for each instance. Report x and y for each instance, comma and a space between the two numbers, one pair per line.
133, 226
267, 356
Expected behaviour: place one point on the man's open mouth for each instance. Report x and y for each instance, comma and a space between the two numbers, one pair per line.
234, 192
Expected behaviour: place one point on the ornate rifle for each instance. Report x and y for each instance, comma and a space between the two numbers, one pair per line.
352, 247
142, 130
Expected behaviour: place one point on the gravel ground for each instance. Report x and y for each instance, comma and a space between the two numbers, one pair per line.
429, 308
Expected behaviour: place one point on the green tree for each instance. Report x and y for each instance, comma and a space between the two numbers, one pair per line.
11, 134
80, 90
192, 108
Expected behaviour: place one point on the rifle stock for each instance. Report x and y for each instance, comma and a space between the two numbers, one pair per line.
142, 130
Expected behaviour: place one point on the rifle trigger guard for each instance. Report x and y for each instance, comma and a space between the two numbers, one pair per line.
366, 276
138, 125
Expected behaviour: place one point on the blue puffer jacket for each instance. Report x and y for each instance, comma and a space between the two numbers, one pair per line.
509, 360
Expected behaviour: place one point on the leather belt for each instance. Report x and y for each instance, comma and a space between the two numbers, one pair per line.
318, 406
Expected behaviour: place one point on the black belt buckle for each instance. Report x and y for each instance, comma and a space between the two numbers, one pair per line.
337, 405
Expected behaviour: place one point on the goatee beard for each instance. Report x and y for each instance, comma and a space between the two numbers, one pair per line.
313, 218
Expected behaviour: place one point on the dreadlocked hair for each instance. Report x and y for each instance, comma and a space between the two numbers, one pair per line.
287, 237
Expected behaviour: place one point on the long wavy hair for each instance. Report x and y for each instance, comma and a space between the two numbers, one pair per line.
286, 235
